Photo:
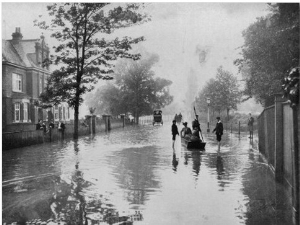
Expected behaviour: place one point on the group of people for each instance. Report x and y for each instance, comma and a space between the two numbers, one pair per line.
194, 135
41, 125
178, 117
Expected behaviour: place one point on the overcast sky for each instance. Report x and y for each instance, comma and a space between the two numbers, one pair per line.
179, 33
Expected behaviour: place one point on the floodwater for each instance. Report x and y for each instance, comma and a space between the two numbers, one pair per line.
133, 174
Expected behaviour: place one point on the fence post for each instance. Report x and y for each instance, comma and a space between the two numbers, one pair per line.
93, 118
239, 128
230, 127
278, 138
109, 122
123, 119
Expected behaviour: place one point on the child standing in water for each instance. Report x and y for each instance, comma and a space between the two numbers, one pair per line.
174, 131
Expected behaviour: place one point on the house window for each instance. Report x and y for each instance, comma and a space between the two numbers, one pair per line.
64, 112
45, 82
56, 118
17, 82
25, 112
41, 84
17, 112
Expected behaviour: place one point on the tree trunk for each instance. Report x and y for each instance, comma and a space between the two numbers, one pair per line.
136, 116
227, 114
76, 115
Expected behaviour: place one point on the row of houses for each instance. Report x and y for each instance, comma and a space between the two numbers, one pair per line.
24, 77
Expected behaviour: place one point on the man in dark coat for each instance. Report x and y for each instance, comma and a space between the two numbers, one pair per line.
174, 131
196, 127
219, 131
250, 125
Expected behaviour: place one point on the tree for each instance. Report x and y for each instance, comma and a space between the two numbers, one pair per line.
291, 87
82, 56
271, 49
223, 92
135, 89
106, 100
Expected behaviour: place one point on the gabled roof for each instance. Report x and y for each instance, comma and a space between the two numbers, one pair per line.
21, 53
10, 54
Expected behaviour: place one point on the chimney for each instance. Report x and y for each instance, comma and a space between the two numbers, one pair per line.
17, 36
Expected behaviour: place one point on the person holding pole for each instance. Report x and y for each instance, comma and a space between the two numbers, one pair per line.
219, 131
196, 125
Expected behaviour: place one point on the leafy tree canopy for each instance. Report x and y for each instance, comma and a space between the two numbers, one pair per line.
223, 92
271, 49
136, 90
84, 56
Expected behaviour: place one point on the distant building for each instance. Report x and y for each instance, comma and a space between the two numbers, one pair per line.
24, 77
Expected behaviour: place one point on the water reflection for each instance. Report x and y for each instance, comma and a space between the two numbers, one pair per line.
134, 169
124, 176
174, 162
195, 157
220, 166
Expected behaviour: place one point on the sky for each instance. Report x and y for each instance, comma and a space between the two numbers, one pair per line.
191, 39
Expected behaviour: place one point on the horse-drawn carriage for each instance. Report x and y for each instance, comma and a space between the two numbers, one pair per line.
157, 117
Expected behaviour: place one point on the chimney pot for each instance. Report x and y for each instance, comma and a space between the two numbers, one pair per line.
17, 36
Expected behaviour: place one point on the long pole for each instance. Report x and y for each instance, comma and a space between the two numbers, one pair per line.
199, 124
208, 119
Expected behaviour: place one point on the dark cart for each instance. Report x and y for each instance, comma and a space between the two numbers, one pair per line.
157, 117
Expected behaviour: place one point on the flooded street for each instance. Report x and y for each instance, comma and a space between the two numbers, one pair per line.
133, 174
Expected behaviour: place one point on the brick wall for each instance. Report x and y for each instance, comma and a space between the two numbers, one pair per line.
8, 79
35, 83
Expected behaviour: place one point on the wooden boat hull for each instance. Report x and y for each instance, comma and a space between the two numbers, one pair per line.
193, 145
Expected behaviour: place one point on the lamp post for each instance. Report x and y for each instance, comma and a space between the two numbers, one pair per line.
208, 102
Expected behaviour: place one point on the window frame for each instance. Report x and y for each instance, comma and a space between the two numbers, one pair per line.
25, 112
17, 82
40, 84
56, 113
15, 112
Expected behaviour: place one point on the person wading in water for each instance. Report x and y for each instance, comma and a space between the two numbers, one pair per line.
219, 131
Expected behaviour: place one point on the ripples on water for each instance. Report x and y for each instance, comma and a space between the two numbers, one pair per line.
133, 174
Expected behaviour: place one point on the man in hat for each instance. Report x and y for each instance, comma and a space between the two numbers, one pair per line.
196, 124
219, 131
174, 131
185, 130
196, 128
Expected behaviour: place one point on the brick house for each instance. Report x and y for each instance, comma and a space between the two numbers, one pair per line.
23, 79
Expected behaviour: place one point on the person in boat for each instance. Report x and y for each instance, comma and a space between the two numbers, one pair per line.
195, 135
196, 127
186, 131
196, 124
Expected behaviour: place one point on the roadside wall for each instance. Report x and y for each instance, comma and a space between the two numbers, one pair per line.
278, 133
31, 136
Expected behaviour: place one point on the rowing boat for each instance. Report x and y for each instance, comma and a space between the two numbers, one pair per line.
193, 145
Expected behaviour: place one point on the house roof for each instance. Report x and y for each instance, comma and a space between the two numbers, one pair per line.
21, 53
10, 54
